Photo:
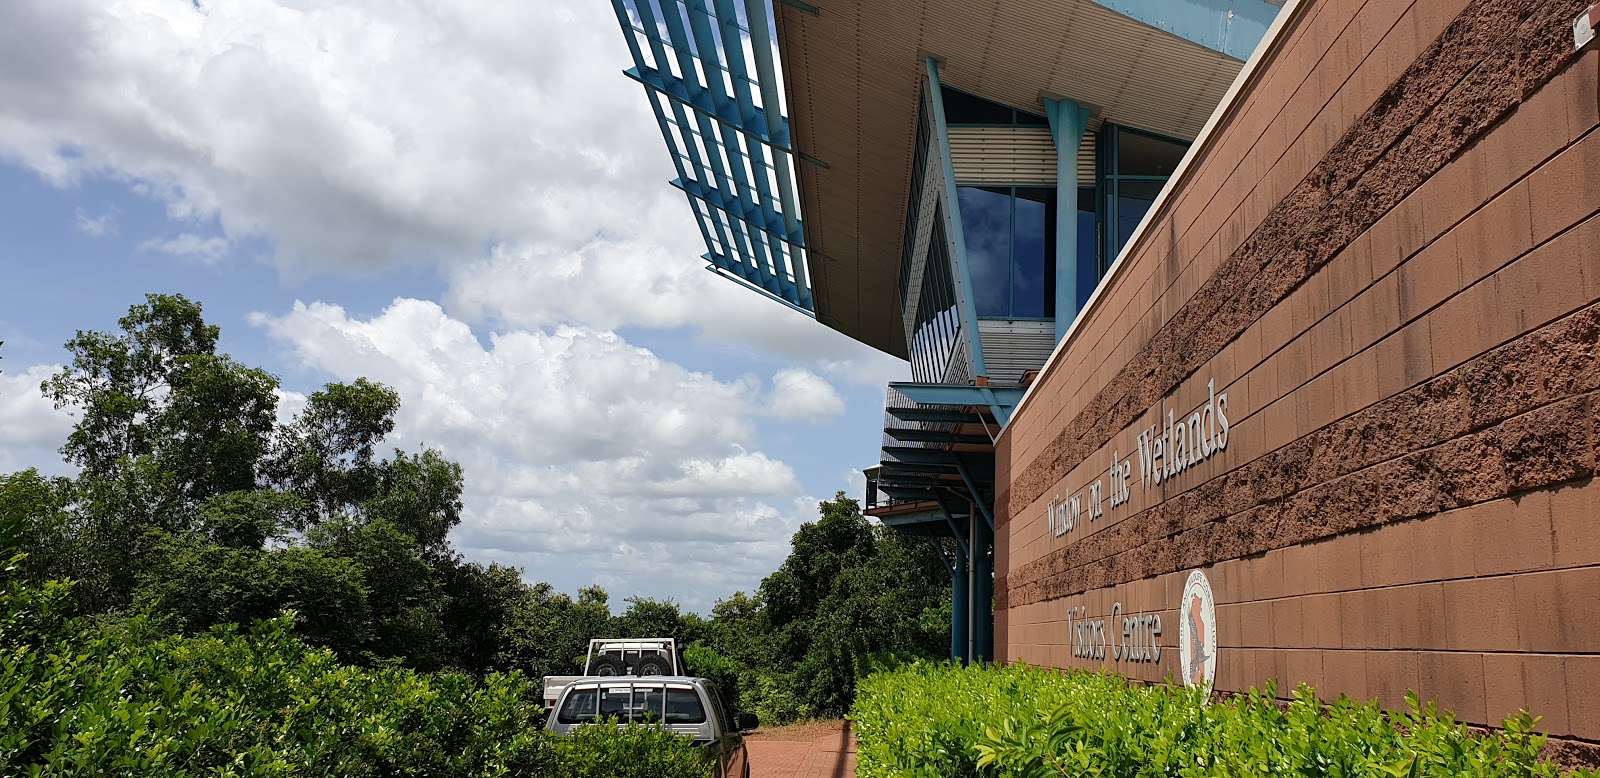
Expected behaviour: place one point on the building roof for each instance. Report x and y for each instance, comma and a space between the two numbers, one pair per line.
853, 72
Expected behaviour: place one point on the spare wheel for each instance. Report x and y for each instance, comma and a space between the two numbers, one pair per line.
652, 664
607, 665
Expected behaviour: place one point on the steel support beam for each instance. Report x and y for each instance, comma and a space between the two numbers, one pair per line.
1000, 399
934, 436
977, 496
960, 591
958, 239
1068, 120
935, 417
764, 219
982, 605
732, 155
1229, 27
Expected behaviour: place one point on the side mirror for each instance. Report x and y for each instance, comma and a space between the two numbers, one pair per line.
748, 721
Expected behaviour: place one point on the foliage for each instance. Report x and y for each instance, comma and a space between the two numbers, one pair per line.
81, 697
195, 505
851, 591
631, 751
943, 720
195, 509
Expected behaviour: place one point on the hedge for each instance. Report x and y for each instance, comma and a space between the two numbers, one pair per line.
944, 721
80, 697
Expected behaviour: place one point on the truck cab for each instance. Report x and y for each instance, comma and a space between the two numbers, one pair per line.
691, 707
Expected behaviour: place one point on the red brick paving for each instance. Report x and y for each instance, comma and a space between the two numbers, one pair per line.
832, 756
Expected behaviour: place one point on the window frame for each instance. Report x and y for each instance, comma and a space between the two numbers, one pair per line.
1011, 255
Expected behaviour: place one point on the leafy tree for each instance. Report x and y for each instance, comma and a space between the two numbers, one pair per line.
158, 392
549, 631
327, 455
191, 583
421, 496
404, 598
481, 603
848, 594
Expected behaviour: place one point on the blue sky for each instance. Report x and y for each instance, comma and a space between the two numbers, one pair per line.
464, 200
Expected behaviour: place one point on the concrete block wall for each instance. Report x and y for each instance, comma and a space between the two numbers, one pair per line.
1388, 257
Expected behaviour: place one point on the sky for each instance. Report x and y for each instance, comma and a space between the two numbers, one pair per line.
463, 199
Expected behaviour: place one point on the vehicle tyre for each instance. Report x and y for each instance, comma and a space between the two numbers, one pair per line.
607, 665
652, 664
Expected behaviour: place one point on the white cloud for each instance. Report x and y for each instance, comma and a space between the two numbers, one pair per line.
501, 141
366, 133
576, 443
100, 226
354, 134
801, 394
190, 246
31, 429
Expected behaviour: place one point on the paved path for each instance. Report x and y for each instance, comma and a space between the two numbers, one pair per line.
833, 756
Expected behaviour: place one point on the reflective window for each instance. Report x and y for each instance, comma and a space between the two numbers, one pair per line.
1010, 242
937, 327
1090, 269
1134, 198
1032, 253
1139, 154
645, 704
963, 108
986, 222
1134, 166
683, 707
579, 707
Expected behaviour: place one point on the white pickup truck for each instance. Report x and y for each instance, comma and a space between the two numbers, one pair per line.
629, 656
692, 708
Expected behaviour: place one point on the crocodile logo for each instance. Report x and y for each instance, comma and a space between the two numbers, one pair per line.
1197, 632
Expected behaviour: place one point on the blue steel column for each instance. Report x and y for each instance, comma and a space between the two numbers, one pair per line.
960, 591
961, 610
1068, 120
982, 606
963, 274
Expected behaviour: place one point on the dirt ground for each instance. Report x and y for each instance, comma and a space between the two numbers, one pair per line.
805, 730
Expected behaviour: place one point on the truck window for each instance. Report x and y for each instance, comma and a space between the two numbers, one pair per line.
579, 707
724, 715
683, 707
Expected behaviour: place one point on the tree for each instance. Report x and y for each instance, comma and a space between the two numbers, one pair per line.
549, 631
327, 455
848, 594
158, 391
194, 503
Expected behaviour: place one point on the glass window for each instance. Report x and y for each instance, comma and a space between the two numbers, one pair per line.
579, 707
1023, 117
986, 222
1010, 241
962, 108
683, 707
1139, 154
1030, 253
1090, 269
1134, 198
1134, 165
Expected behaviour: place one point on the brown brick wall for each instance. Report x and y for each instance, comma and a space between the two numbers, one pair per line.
1388, 257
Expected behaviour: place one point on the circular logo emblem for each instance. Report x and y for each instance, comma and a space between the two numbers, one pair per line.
1197, 632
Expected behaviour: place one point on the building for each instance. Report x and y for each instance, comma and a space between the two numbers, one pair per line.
1247, 341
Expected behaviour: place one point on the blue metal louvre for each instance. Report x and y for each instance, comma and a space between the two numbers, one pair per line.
713, 87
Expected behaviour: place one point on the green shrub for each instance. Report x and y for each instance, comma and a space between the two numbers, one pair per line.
631, 751
944, 721
80, 697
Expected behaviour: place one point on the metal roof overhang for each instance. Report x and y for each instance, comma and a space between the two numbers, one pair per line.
853, 71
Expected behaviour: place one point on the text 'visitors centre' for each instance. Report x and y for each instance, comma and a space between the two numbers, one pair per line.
1247, 340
